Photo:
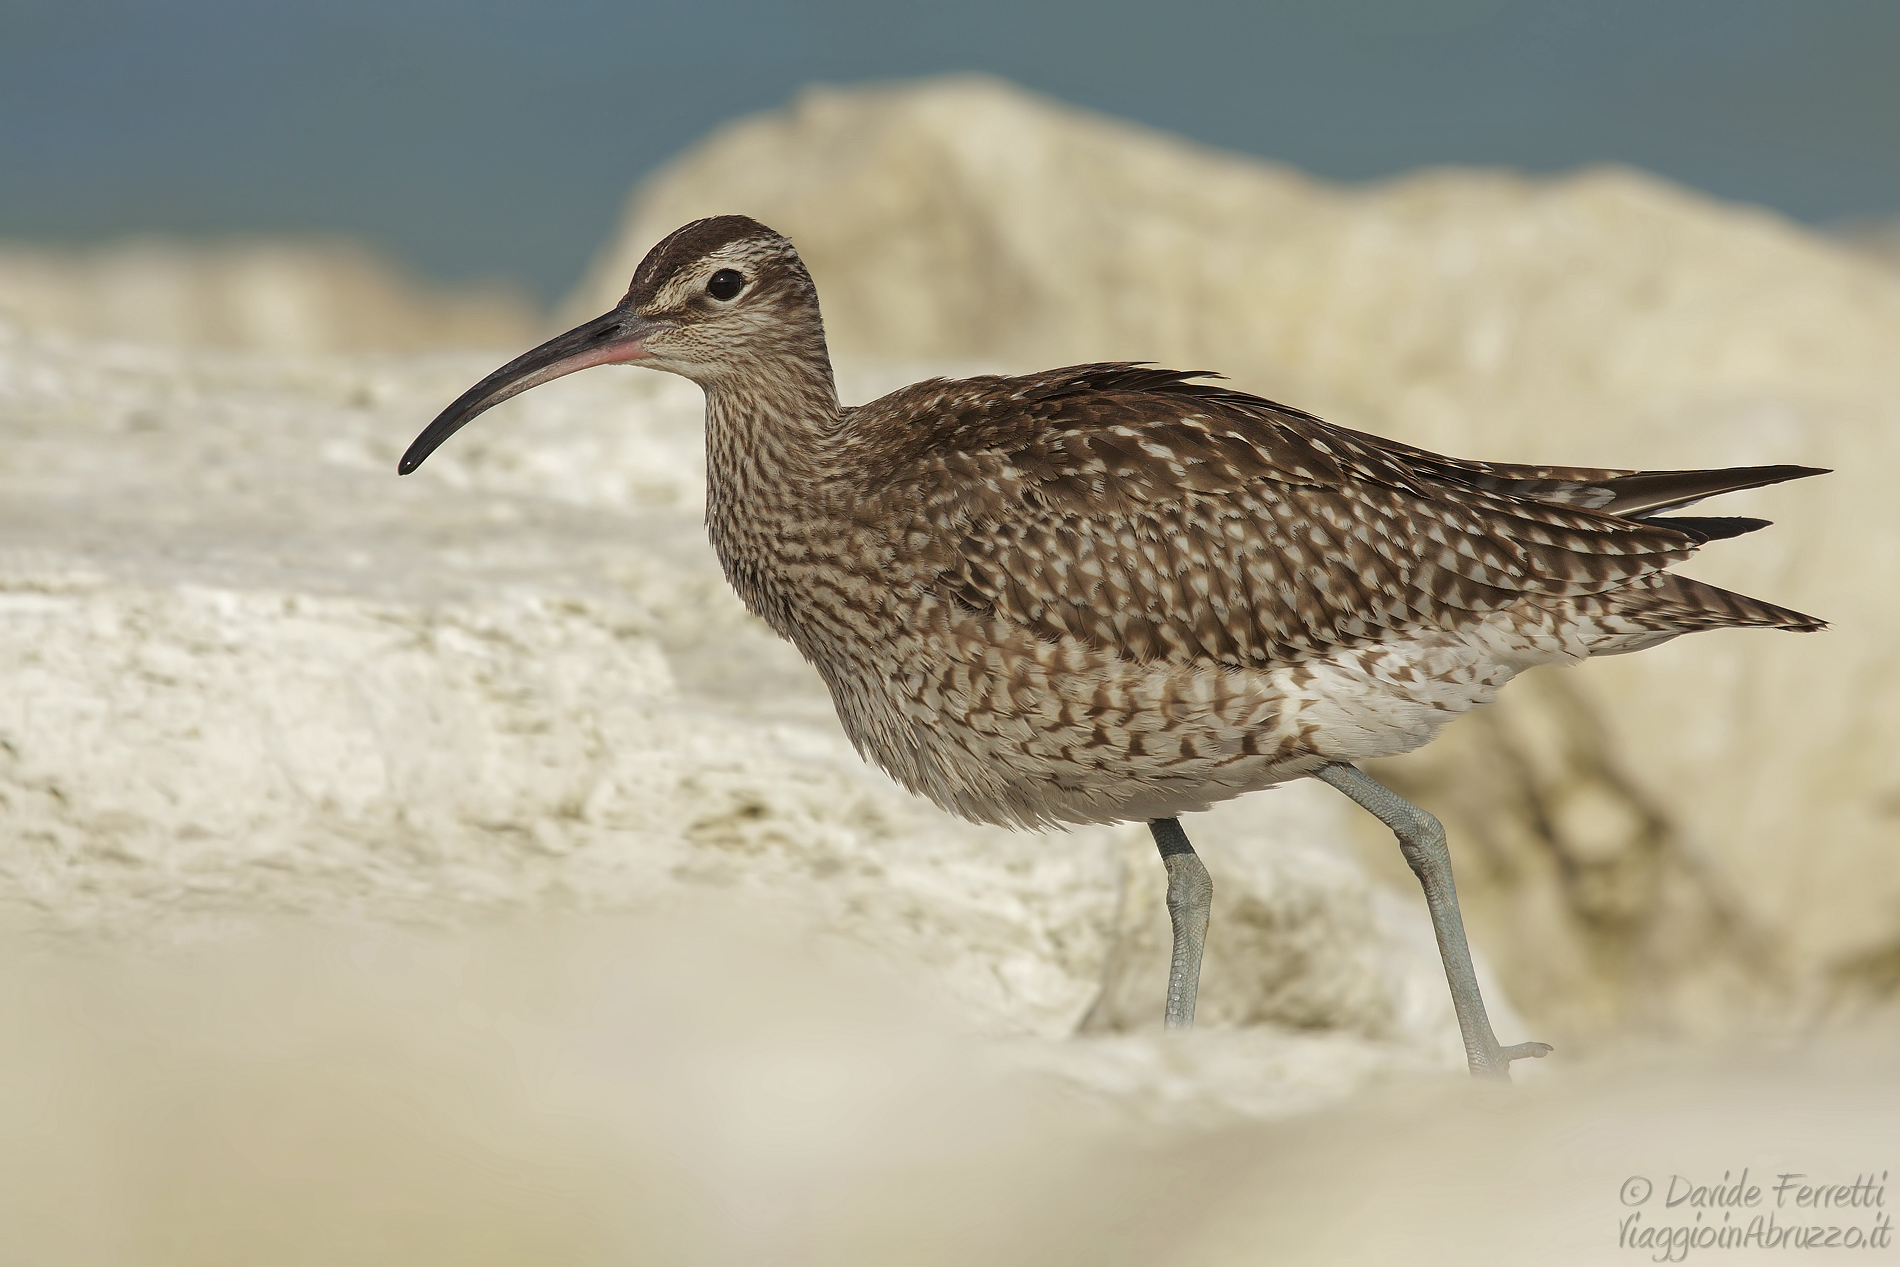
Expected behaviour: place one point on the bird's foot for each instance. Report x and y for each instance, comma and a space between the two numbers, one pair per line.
1496, 1063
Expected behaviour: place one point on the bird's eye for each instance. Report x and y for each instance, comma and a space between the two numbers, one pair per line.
725, 284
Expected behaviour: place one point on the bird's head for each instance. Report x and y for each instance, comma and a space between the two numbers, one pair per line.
717, 301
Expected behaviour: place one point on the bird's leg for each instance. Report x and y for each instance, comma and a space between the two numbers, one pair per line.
1190, 894
1422, 840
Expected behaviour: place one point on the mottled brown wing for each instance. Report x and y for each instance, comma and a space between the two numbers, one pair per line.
1176, 521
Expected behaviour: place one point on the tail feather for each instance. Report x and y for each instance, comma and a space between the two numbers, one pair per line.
1648, 493
1676, 602
1711, 528
1614, 491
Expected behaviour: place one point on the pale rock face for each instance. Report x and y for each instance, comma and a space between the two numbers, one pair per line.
1662, 840
252, 675
272, 295
251, 678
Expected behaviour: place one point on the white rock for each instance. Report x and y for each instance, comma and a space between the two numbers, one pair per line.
283, 295
253, 674
1602, 318
251, 678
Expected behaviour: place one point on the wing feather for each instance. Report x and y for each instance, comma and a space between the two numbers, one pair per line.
1171, 520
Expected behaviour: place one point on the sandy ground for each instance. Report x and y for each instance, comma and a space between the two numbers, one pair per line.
699, 1089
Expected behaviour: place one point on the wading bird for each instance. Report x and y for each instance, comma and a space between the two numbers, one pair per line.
1110, 593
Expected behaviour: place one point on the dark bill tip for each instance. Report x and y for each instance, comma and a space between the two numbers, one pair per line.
607, 339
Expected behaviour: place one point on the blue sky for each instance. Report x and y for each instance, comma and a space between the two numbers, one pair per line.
490, 139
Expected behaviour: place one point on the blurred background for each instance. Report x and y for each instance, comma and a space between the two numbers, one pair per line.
494, 143
308, 775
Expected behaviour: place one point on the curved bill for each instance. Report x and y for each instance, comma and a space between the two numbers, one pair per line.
616, 336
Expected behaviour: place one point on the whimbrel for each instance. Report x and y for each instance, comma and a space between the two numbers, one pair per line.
1111, 593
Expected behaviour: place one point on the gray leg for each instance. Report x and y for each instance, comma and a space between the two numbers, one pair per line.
1190, 894
1422, 840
